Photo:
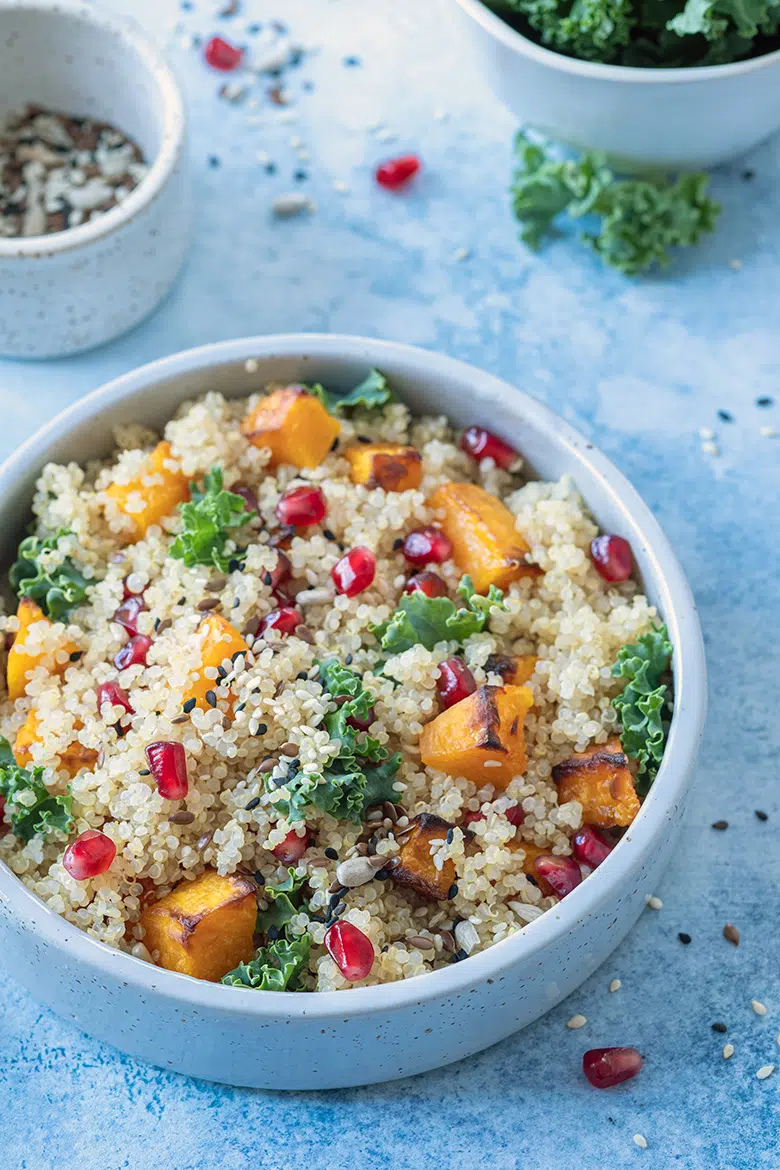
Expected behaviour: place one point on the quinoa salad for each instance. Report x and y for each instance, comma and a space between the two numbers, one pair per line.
307, 692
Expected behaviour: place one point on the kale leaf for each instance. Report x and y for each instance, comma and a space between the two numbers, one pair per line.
275, 967
427, 620
593, 30
371, 393
640, 219
284, 901
41, 815
56, 587
644, 702
208, 519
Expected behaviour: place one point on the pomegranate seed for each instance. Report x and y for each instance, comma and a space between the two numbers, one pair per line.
454, 681
350, 949
354, 572
3, 827
134, 653
302, 506
292, 848
430, 584
127, 613
111, 694
427, 544
362, 724
605, 1067
247, 495
284, 620
471, 817
481, 444
590, 847
562, 873
168, 765
220, 54
612, 557
397, 171
281, 572
515, 815
89, 855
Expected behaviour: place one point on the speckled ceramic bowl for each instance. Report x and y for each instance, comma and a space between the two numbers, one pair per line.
75, 289
324, 1040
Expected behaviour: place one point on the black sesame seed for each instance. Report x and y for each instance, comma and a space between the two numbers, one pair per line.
532, 880
364, 439
399, 543
234, 565
348, 660
335, 444
253, 29
262, 728
221, 672
252, 804
458, 957
236, 603
337, 896
765, 400
339, 908
156, 624
326, 532
725, 416
270, 168
719, 1027
302, 674
748, 175
301, 176
720, 825
762, 816
267, 579
351, 62
259, 878
308, 86
684, 938
188, 706
235, 657
450, 835
145, 772
240, 707
74, 657
211, 698
452, 892
182, 601
332, 854
382, 875
273, 933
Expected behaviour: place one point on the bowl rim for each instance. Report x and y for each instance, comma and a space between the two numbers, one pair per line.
679, 612
172, 119
493, 24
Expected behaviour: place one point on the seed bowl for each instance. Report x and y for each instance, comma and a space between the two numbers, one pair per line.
74, 289
361, 1035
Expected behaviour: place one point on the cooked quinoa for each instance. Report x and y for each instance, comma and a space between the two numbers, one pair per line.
270, 698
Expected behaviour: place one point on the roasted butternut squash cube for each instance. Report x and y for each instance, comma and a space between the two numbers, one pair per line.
601, 780
532, 852
154, 494
73, 760
414, 865
221, 641
293, 425
515, 669
203, 927
480, 738
385, 465
21, 659
485, 541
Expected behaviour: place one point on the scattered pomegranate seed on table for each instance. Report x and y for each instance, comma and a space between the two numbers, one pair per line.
590, 847
397, 172
454, 681
430, 584
354, 572
134, 653
351, 950
285, 620
91, 854
562, 873
126, 614
111, 694
302, 506
220, 54
611, 556
483, 444
292, 848
426, 545
168, 765
605, 1067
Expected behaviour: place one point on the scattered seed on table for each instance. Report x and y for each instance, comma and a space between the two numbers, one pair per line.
728, 1051
768, 433
577, 1022
615, 985
684, 938
731, 934
720, 825
719, 1027
762, 816
765, 1071
725, 416
640, 1140
654, 903
765, 400
291, 204
758, 1007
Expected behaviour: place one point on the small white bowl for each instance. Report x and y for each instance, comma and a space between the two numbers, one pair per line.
642, 119
75, 289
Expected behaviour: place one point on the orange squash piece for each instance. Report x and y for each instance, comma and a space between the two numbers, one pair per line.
74, 759
601, 781
221, 641
414, 866
515, 669
385, 465
203, 927
294, 425
480, 738
20, 660
485, 541
168, 489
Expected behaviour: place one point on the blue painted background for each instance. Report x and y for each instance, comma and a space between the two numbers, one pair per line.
640, 367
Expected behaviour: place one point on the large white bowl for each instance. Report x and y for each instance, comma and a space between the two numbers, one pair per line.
643, 119
321, 1040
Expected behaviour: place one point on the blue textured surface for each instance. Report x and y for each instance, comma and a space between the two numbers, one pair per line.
640, 367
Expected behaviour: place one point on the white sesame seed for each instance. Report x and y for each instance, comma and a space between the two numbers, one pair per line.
765, 1071
710, 448
491, 764
758, 1007
735, 265
576, 1022
251, 365
615, 985
640, 1140
706, 433
293, 203
654, 902
728, 1051
768, 433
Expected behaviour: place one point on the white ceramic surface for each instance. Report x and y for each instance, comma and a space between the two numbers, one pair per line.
75, 289
318, 1040
643, 119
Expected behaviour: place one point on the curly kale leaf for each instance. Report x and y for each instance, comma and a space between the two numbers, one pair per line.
712, 19
208, 519
593, 30
645, 701
371, 393
275, 967
29, 806
284, 900
54, 582
640, 219
427, 620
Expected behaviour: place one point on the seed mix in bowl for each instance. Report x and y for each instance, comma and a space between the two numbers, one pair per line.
308, 692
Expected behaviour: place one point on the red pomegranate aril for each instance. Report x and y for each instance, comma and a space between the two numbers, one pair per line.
481, 444
430, 584
302, 506
362, 724
168, 764
220, 54
281, 572
247, 495
3, 827
112, 695
292, 848
395, 172
426, 545
354, 572
562, 873
590, 847
611, 556
89, 855
471, 817
285, 620
515, 815
605, 1067
454, 681
350, 949
134, 653
127, 613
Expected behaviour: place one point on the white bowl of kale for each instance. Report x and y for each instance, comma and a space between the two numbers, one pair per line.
668, 86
